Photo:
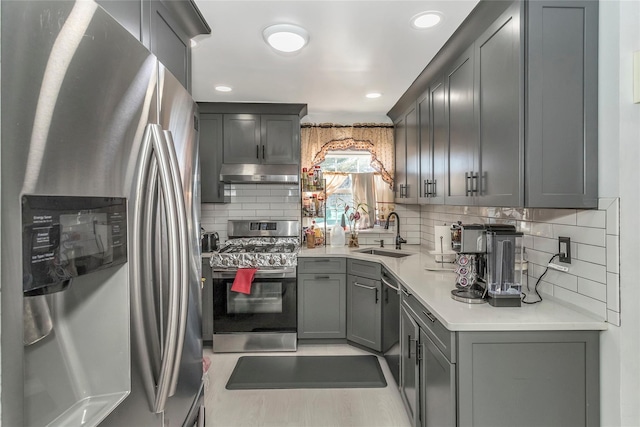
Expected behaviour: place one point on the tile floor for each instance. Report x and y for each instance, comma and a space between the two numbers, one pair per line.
366, 407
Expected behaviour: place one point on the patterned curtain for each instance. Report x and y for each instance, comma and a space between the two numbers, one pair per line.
377, 139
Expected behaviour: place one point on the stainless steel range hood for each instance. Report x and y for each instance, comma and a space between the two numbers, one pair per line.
265, 174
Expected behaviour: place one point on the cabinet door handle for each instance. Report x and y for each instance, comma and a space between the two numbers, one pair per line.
263, 152
322, 277
406, 294
429, 316
257, 151
377, 296
474, 182
466, 183
425, 189
389, 284
409, 345
360, 285
434, 188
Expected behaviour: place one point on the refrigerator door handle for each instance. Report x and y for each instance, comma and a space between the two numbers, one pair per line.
146, 179
174, 246
181, 326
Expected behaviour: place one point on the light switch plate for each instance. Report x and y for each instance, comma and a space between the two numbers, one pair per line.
636, 77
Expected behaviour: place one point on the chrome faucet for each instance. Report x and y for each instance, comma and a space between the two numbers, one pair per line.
399, 239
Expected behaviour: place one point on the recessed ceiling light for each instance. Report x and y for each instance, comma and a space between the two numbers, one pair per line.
223, 88
373, 95
285, 37
426, 19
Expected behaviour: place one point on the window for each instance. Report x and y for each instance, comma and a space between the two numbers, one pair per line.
338, 168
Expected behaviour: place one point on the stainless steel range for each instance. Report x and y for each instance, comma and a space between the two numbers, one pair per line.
266, 318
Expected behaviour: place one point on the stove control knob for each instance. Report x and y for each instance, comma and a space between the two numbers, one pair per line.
272, 261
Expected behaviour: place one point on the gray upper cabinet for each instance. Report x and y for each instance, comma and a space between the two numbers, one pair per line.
462, 172
242, 138
280, 136
261, 138
426, 149
499, 112
127, 12
400, 142
165, 27
406, 186
169, 42
521, 93
212, 190
562, 104
433, 143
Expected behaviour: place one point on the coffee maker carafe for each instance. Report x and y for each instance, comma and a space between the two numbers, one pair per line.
487, 264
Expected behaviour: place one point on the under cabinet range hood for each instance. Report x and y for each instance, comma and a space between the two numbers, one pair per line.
253, 173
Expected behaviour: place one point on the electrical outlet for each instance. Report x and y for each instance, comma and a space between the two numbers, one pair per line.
564, 249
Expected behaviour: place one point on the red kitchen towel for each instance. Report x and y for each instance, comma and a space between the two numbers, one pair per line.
242, 282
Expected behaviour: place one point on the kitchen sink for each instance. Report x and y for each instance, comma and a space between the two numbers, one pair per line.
383, 253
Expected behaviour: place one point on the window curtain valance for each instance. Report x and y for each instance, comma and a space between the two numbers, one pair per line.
318, 139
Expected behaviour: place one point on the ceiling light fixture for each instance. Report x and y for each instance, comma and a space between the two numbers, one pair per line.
223, 88
426, 19
286, 37
373, 95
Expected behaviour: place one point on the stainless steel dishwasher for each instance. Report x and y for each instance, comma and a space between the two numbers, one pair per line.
391, 323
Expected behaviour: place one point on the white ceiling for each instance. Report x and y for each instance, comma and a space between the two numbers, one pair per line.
355, 47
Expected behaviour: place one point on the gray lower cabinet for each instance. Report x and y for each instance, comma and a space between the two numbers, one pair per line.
496, 378
322, 305
531, 378
437, 385
207, 301
322, 298
409, 367
364, 311
211, 189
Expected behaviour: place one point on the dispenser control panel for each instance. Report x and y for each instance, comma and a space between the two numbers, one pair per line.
64, 237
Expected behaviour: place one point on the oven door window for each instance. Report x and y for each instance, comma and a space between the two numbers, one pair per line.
265, 297
271, 306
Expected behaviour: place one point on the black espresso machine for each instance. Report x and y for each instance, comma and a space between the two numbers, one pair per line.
488, 264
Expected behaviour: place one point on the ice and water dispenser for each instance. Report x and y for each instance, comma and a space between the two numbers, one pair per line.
76, 308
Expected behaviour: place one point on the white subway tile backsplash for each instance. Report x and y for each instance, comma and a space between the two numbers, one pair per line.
592, 234
613, 317
613, 218
592, 289
593, 254
583, 302
587, 235
564, 280
613, 254
587, 270
554, 216
592, 218
613, 292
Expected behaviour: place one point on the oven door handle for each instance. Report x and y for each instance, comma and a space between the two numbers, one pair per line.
283, 273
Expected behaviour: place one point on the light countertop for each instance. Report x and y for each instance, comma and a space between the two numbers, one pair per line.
433, 290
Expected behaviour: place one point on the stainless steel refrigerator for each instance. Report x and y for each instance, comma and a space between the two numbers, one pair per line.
92, 120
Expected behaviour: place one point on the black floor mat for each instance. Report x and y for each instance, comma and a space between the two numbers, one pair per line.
272, 372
